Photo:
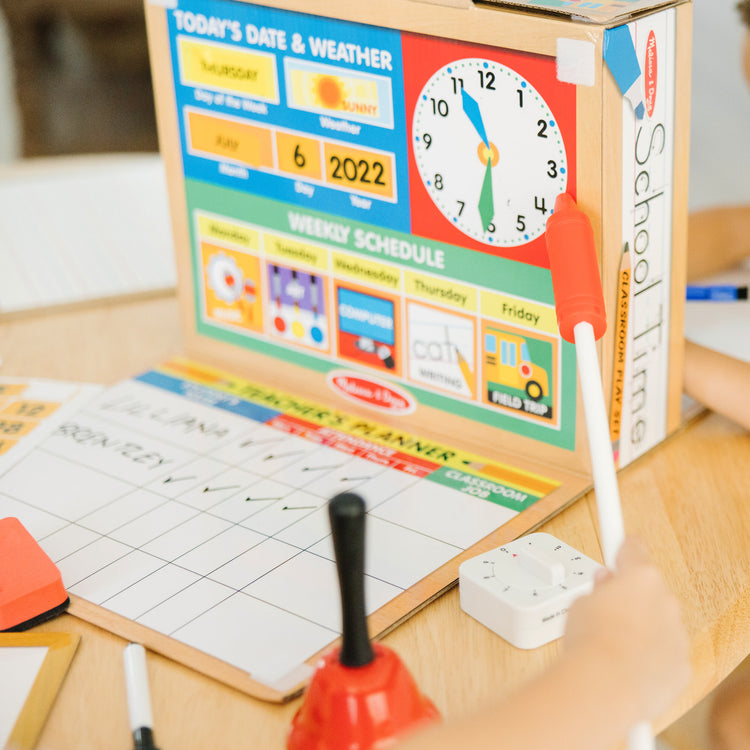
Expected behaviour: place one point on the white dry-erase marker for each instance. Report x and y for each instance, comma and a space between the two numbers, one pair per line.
139, 700
582, 320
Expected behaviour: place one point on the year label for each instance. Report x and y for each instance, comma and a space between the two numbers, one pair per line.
359, 170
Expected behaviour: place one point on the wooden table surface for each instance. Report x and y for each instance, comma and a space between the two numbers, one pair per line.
687, 499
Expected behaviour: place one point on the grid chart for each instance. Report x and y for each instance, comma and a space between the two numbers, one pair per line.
204, 517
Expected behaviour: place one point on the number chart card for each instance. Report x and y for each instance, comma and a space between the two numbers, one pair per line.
187, 509
369, 189
31, 408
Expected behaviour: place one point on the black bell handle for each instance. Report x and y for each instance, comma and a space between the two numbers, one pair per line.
347, 515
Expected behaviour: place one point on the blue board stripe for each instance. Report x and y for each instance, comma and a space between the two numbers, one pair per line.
204, 394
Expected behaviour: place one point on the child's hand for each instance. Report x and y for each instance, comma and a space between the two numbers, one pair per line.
632, 621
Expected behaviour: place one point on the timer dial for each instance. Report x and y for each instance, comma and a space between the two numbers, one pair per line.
522, 591
489, 151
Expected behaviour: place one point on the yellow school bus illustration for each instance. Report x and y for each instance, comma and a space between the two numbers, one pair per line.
507, 362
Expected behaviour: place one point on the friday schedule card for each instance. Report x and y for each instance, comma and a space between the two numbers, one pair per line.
191, 506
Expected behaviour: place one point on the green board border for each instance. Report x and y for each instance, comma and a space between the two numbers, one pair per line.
460, 264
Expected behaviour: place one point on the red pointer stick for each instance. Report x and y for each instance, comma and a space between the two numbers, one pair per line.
582, 320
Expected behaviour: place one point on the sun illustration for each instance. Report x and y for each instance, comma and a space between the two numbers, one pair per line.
328, 91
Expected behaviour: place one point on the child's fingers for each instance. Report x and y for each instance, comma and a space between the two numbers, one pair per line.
633, 552
601, 575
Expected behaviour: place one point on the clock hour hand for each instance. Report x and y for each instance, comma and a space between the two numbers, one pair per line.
471, 108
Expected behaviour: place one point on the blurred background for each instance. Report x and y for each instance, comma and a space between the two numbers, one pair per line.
74, 78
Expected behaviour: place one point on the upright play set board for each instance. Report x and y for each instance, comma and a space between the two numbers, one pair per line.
359, 195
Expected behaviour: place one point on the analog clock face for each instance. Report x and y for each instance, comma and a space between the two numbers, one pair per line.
489, 151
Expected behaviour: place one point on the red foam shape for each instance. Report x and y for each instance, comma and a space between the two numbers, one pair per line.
576, 280
30, 583
359, 708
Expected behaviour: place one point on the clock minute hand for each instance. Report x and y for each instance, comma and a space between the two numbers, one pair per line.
486, 200
471, 108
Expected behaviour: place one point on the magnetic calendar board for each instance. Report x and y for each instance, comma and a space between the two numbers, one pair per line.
186, 509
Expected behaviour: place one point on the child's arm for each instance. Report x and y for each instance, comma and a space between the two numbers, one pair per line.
718, 239
719, 382
625, 660
729, 717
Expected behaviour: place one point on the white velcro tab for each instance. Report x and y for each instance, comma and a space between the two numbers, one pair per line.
576, 62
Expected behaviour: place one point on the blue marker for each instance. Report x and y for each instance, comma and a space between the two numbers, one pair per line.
716, 292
